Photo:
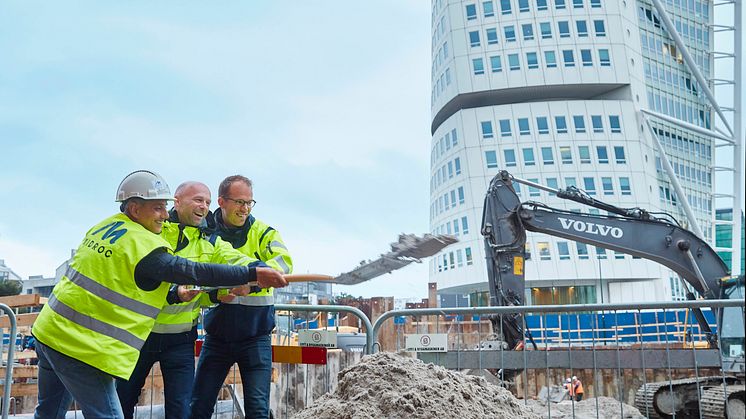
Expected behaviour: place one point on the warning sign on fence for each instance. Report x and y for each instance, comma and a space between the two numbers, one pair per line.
321, 338
432, 342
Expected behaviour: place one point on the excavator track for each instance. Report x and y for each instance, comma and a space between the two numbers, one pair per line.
713, 406
645, 398
658, 402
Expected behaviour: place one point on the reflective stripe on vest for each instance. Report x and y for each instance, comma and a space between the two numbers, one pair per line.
109, 295
96, 325
183, 315
277, 244
253, 300
280, 261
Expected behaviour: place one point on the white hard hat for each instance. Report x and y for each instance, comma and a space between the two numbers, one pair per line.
143, 184
567, 380
574, 377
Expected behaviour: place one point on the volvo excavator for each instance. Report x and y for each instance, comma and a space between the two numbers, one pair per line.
637, 232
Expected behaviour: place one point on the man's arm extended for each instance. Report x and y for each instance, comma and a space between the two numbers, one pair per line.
160, 266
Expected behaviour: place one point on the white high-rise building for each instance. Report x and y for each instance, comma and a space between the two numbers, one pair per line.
551, 90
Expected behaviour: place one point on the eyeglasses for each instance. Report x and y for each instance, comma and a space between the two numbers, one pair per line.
241, 202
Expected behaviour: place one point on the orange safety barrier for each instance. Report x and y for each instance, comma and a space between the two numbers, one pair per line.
299, 354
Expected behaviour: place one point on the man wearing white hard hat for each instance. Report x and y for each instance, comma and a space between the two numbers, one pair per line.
105, 305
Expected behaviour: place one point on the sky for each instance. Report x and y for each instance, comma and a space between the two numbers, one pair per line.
323, 104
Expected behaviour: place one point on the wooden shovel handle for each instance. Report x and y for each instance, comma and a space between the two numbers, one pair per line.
307, 277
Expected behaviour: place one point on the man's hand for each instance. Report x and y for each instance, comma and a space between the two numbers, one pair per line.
226, 298
241, 291
186, 294
268, 277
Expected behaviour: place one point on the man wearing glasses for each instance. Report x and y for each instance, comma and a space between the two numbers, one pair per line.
238, 329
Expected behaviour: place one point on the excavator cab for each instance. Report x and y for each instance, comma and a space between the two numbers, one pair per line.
731, 321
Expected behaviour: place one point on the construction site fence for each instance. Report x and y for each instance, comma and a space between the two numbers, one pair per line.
614, 349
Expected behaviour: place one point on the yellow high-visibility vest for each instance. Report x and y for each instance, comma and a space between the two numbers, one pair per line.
97, 314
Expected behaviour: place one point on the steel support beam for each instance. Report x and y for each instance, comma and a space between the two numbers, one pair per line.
704, 86
738, 138
694, 226
691, 127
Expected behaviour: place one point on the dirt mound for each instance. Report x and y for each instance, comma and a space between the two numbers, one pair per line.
387, 385
608, 408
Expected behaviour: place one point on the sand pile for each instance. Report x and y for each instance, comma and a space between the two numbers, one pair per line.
608, 408
386, 385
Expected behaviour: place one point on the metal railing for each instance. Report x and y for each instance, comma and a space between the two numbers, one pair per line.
9, 364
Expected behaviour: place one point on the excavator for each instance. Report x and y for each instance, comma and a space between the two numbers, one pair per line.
637, 232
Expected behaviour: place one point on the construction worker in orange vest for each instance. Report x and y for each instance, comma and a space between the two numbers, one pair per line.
576, 389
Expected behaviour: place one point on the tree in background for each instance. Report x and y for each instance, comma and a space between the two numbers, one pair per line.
10, 287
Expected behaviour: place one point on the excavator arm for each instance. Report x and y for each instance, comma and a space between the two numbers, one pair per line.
632, 231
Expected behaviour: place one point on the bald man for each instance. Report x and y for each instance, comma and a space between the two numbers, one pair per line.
172, 341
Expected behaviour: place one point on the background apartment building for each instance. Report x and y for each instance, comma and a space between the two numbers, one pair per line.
551, 90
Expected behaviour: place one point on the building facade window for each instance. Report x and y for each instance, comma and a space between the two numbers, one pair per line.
543, 248
614, 123
550, 58
546, 30
619, 156
586, 57
510, 160
532, 61
505, 128
563, 250
496, 64
599, 28
597, 123
624, 186
505, 7
490, 158
509, 33
560, 124
602, 154
474, 38
514, 62
489, 8
607, 186
471, 11
528, 157
542, 125
528, 31
582, 28
589, 184
491, 35
566, 154
603, 58
547, 156
478, 66
568, 57
582, 249
523, 126
487, 129
579, 122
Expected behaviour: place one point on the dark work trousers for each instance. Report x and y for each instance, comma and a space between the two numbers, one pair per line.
254, 359
175, 353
